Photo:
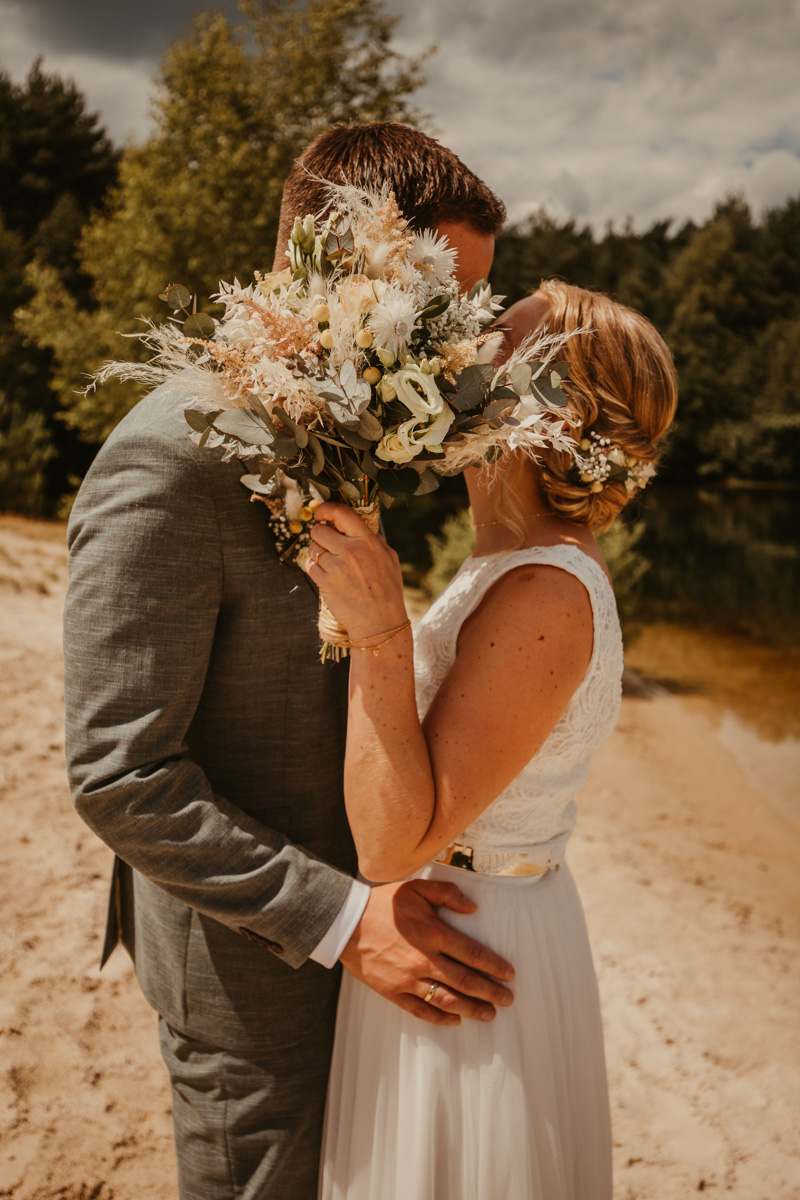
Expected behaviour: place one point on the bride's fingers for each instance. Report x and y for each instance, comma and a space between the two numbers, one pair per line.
342, 517
330, 538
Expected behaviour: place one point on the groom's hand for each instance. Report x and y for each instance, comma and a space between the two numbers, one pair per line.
401, 946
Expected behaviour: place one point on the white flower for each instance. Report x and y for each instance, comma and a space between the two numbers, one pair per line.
486, 306
393, 321
412, 437
416, 390
432, 256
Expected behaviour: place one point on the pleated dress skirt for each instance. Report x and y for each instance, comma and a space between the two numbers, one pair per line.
510, 1109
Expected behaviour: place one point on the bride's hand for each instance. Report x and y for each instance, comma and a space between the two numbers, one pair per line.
356, 572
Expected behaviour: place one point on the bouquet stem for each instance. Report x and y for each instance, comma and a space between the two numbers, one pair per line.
335, 642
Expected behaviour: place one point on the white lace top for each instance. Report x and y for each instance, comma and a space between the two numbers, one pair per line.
538, 808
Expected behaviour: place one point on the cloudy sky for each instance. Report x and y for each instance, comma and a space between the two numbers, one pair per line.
597, 109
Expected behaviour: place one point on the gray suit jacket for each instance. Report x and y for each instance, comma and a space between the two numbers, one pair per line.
205, 740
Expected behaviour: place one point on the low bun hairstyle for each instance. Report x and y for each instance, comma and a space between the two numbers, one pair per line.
623, 386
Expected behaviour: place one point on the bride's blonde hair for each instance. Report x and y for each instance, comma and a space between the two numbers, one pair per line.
623, 386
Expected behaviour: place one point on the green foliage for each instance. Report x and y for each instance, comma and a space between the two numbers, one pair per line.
26, 448
200, 200
627, 564
55, 165
725, 295
448, 550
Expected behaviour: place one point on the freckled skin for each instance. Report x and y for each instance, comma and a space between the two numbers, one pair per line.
411, 789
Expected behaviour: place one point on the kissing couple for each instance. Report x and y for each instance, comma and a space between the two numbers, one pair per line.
249, 791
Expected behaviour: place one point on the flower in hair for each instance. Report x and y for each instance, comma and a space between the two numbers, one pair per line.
599, 460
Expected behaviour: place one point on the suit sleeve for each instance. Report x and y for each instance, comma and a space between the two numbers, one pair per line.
142, 604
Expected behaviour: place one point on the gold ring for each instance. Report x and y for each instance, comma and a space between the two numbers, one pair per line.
431, 993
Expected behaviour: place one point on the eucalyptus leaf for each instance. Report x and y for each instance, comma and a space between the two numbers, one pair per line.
469, 396
434, 308
504, 393
369, 466
284, 446
554, 397
428, 482
400, 483
243, 424
351, 492
299, 432
199, 325
176, 296
200, 421
204, 438
354, 438
348, 378
560, 368
268, 472
253, 483
370, 427
520, 378
386, 500
498, 408
259, 408
318, 459
477, 287
344, 417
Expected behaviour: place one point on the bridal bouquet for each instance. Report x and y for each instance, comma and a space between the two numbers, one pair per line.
360, 373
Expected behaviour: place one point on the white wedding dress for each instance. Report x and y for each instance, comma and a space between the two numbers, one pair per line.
515, 1108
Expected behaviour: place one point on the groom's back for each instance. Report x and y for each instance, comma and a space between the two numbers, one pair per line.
192, 655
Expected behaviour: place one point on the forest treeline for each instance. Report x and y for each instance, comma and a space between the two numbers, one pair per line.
90, 235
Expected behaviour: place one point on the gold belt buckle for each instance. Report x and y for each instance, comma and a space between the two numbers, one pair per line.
457, 855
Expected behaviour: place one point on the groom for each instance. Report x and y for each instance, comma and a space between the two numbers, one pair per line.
205, 746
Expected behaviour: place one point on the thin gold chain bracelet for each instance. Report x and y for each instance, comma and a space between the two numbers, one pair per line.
374, 646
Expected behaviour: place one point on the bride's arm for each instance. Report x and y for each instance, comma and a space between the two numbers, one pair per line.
411, 789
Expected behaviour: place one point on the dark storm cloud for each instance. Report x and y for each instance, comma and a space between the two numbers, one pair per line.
597, 109
107, 29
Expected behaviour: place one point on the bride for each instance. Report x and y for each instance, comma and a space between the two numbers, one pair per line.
466, 750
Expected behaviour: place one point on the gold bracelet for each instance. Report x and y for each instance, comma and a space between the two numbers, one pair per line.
375, 646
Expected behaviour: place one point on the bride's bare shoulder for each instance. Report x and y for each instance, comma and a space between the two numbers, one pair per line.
529, 605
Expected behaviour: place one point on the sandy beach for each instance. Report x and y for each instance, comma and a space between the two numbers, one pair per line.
690, 874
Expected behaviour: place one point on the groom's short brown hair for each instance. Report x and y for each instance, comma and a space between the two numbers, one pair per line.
430, 182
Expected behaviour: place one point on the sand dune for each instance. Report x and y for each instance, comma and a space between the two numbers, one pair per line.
691, 884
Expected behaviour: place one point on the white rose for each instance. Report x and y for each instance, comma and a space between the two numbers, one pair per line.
395, 447
418, 392
413, 436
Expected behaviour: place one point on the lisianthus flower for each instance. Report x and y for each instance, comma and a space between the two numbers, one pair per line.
393, 321
416, 390
432, 256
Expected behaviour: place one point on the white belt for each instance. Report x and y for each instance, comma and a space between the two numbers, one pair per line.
522, 860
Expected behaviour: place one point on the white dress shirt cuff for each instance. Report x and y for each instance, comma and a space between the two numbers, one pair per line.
329, 949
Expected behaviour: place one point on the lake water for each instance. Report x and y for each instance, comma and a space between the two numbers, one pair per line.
716, 618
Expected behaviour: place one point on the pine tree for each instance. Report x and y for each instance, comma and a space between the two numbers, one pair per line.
55, 166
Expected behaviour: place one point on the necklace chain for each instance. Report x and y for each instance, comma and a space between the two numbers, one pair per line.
486, 524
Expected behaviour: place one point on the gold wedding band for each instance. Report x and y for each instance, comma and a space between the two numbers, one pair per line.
431, 993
